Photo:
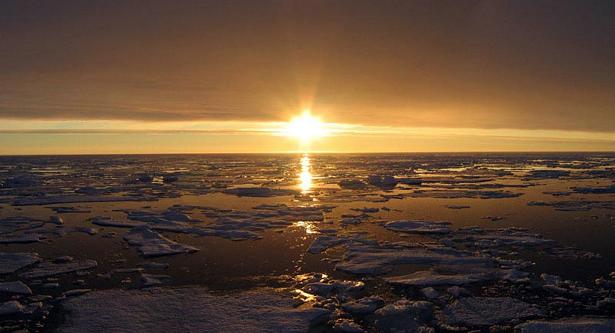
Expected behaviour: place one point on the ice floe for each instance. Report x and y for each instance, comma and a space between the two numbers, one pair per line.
456, 194
382, 181
546, 174
404, 316
595, 190
347, 326
352, 184
432, 278
369, 259
64, 199
568, 325
259, 192
419, 227
165, 310
11, 308
153, 244
15, 287
22, 238
493, 238
49, 268
575, 206
486, 311
12, 262
364, 305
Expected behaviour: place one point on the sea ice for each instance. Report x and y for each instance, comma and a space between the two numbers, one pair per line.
419, 227
368, 259
457, 206
382, 181
403, 316
575, 206
69, 209
493, 238
259, 192
595, 190
11, 308
22, 238
347, 326
430, 293
149, 280
457, 194
18, 223
190, 309
482, 311
569, 325
432, 278
11, 262
546, 174
324, 242
64, 199
364, 305
108, 222
352, 184
152, 243
15, 287
47, 268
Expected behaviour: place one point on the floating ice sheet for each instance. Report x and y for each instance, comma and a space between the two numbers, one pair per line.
11, 262
486, 311
419, 226
191, 309
153, 244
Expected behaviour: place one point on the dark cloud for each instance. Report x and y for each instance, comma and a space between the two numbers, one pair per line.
484, 64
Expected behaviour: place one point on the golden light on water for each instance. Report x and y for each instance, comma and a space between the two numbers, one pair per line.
309, 227
306, 184
305, 176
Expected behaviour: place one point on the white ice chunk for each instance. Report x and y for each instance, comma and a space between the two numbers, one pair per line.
362, 259
191, 309
152, 243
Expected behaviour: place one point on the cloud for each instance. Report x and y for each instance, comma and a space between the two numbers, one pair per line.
486, 64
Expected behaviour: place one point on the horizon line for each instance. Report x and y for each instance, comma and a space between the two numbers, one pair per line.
325, 152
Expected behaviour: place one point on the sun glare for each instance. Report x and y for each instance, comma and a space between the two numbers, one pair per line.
305, 127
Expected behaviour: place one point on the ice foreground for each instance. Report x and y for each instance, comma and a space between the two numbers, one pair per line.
342, 243
187, 310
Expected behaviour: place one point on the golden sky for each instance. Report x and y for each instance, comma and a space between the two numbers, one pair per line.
219, 76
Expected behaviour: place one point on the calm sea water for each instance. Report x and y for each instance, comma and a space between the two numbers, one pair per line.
201, 180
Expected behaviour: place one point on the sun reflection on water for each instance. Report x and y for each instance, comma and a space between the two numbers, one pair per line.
305, 177
309, 227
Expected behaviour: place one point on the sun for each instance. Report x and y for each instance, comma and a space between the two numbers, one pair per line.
305, 127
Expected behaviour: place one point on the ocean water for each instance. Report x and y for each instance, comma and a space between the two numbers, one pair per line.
238, 222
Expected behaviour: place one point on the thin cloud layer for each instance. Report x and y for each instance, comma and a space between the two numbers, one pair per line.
472, 64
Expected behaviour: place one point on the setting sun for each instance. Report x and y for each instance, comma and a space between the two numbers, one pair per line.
323, 166
305, 127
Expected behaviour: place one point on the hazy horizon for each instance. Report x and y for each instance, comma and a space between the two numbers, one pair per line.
210, 76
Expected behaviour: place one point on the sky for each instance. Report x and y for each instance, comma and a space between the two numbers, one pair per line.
203, 76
